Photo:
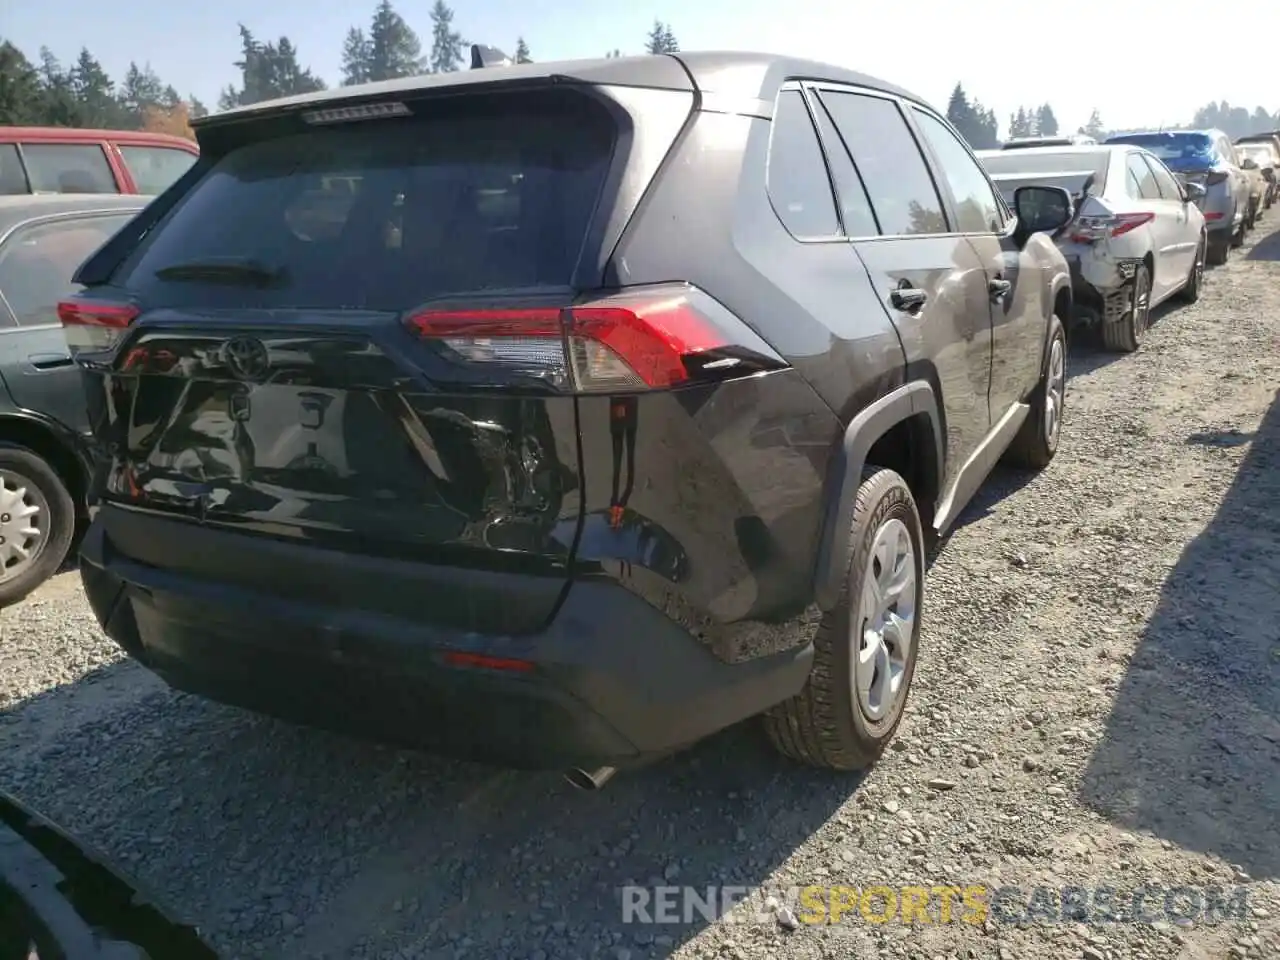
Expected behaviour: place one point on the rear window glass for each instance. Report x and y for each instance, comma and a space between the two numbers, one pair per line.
1018, 161
484, 194
154, 168
1166, 146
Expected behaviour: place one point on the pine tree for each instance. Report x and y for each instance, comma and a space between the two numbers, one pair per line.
267, 71
196, 109
1094, 127
394, 50
522, 51
446, 43
20, 93
141, 89
1046, 122
960, 112
357, 58
60, 107
661, 39
613, 54
95, 92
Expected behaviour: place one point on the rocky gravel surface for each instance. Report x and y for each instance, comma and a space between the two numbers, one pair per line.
1098, 706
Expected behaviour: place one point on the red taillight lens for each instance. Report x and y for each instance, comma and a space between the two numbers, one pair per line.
1089, 229
644, 339
1126, 222
1216, 215
92, 325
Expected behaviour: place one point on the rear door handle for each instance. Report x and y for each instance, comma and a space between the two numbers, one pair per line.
908, 299
999, 289
49, 361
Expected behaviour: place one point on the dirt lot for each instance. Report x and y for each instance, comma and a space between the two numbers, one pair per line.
1098, 705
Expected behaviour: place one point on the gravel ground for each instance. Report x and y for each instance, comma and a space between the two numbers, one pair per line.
1097, 704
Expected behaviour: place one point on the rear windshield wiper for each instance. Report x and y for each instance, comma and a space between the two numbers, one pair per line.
233, 270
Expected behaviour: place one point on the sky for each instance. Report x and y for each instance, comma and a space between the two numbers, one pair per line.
1147, 63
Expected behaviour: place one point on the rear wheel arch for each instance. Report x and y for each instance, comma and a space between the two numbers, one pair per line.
901, 431
54, 448
1062, 305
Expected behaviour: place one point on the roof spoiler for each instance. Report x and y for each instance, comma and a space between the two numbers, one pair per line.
482, 56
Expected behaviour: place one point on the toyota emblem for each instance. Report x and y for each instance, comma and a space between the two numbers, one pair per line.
246, 358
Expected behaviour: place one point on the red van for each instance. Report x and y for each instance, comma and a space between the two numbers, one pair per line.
67, 160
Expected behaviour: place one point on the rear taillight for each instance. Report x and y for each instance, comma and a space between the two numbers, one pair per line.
640, 339
92, 325
1089, 229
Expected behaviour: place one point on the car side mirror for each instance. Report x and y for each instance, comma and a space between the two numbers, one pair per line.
1248, 163
1042, 209
1193, 192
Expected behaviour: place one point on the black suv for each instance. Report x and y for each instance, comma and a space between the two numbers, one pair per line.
560, 415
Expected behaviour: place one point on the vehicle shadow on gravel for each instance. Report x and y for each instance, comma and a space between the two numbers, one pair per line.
1191, 751
1087, 353
1267, 248
284, 842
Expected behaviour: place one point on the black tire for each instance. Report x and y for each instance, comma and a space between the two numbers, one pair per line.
22, 467
1219, 251
1037, 441
825, 725
1190, 291
1125, 335
1237, 238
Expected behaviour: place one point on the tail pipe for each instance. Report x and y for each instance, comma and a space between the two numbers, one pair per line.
590, 779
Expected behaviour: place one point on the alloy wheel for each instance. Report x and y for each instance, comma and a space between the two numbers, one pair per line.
884, 630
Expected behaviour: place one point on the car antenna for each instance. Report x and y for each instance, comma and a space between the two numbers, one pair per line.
482, 56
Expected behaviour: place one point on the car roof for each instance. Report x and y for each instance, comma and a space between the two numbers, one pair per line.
733, 74
17, 208
1057, 149
52, 134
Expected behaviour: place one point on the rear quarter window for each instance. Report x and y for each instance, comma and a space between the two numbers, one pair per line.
485, 193
154, 168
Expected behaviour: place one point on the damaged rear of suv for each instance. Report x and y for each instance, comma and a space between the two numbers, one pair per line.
527, 414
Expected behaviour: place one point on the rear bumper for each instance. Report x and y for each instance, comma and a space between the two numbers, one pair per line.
610, 680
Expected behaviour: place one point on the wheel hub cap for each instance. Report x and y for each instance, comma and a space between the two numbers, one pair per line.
883, 631
23, 518
1141, 308
1054, 390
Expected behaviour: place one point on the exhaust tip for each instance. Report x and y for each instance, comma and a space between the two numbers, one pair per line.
590, 779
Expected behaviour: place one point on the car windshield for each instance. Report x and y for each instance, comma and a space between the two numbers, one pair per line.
494, 192
1171, 146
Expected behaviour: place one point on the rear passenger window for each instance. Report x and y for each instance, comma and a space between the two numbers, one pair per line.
855, 207
977, 209
797, 181
888, 158
1169, 188
482, 193
1141, 179
68, 168
12, 178
154, 168
37, 262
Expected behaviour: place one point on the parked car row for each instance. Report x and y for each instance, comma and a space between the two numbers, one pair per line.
431, 414
1149, 211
